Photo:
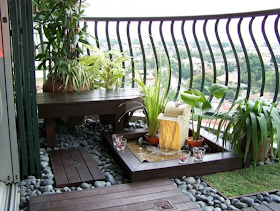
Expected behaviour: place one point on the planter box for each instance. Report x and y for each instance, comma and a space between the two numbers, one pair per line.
136, 170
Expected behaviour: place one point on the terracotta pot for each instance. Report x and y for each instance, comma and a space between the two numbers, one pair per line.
260, 151
56, 86
154, 141
195, 143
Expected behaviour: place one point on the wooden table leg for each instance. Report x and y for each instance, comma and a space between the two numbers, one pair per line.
119, 125
50, 132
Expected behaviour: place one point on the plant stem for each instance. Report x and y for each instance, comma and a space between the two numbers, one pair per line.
199, 120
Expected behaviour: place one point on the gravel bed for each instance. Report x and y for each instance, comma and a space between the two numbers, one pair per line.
90, 136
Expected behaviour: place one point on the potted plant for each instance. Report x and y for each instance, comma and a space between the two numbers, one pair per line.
107, 66
251, 126
75, 77
155, 98
200, 105
58, 25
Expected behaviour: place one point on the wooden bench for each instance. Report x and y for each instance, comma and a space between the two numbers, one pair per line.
72, 167
94, 102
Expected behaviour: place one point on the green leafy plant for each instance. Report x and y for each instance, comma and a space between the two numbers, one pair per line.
76, 75
58, 24
254, 122
155, 97
108, 66
200, 104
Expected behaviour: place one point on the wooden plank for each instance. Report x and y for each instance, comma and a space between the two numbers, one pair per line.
74, 166
70, 170
127, 196
80, 165
105, 190
132, 196
249, 209
274, 206
178, 202
58, 169
263, 207
91, 165
86, 96
106, 201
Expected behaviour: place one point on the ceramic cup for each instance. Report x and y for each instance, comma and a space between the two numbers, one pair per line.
183, 156
121, 144
198, 153
116, 138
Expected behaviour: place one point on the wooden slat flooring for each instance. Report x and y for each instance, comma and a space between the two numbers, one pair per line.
131, 196
264, 207
74, 166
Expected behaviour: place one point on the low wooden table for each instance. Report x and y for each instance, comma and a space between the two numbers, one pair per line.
94, 102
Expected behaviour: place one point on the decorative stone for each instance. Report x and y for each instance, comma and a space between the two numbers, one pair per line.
99, 184
240, 205
223, 206
190, 180
183, 187
65, 189
267, 199
201, 204
44, 164
207, 208
47, 188
190, 196
48, 176
177, 181
119, 177
85, 186
45, 182
110, 178
275, 198
247, 200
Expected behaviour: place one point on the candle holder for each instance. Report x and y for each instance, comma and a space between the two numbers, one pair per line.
198, 153
116, 138
121, 144
183, 156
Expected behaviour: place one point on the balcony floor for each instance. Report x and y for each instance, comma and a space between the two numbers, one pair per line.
149, 195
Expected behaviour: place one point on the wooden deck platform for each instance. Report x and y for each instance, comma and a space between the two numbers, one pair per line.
136, 170
74, 166
150, 195
267, 207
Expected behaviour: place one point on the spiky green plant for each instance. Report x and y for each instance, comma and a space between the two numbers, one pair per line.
253, 121
76, 75
155, 97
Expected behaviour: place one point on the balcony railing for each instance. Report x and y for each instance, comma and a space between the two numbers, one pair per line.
240, 50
